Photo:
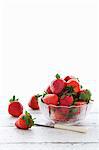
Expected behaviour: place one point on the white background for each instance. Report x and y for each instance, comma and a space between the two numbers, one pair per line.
41, 38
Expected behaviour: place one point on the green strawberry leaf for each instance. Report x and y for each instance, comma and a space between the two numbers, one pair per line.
78, 79
86, 96
13, 99
81, 86
69, 89
45, 93
37, 96
57, 76
28, 118
74, 110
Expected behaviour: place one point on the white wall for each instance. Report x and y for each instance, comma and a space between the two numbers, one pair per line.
41, 38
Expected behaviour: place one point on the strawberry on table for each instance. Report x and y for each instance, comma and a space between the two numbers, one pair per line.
15, 108
25, 121
57, 85
50, 99
33, 103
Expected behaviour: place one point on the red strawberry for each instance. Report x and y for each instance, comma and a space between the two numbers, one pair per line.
50, 99
58, 116
68, 78
77, 110
33, 103
57, 85
80, 103
85, 95
64, 110
72, 83
25, 121
48, 90
66, 101
15, 108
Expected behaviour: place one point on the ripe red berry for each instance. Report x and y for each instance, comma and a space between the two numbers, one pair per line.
15, 108
50, 99
57, 85
66, 101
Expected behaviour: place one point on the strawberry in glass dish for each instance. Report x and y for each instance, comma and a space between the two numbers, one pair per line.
66, 100
48, 90
68, 78
57, 85
85, 95
74, 85
57, 115
50, 99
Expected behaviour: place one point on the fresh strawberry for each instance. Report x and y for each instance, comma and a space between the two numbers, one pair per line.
48, 90
57, 85
66, 100
73, 85
33, 103
58, 116
65, 83
64, 110
79, 103
77, 110
50, 99
15, 108
25, 121
68, 78
85, 95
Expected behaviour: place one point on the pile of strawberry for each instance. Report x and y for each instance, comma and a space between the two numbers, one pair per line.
15, 109
65, 92
61, 92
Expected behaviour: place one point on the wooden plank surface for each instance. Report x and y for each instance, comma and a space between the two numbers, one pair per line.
48, 146
42, 138
40, 134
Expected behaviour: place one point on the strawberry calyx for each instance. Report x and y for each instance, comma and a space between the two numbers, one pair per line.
81, 86
44, 93
13, 99
28, 118
37, 96
57, 76
77, 79
69, 89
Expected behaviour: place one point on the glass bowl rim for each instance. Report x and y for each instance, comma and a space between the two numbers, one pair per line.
72, 106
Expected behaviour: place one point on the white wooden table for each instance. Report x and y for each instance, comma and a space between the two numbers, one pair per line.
41, 138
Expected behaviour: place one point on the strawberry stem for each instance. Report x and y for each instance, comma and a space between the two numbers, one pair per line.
13, 99
45, 93
28, 118
57, 76
38, 95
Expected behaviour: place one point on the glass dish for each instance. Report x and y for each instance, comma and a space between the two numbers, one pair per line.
70, 115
